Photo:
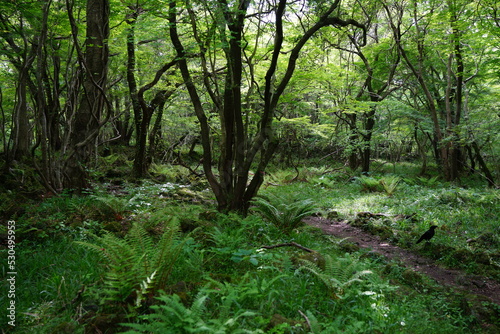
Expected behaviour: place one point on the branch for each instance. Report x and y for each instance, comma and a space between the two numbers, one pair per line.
292, 244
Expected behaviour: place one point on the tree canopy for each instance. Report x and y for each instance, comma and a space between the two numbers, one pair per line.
249, 81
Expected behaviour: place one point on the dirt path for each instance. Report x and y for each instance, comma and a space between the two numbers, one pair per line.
448, 277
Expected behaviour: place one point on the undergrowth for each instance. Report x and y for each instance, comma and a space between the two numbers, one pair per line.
132, 270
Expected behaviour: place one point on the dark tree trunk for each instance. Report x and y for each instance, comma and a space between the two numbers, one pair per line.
484, 168
155, 134
123, 126
234, 188
143, 111
456, 164
367, 139
87, 120
354, 140
20, 132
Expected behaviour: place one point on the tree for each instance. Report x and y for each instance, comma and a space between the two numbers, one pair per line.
89, 117
143, 110
16, 47
241, 149
380, 61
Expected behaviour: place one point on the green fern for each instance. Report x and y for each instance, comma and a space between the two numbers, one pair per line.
337, 275
285, 217
369, 184
172, 317
390, 184
145, 287
137, 264
428, 182
105, 207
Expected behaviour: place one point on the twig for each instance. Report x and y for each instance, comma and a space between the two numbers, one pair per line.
293, 244
307, 319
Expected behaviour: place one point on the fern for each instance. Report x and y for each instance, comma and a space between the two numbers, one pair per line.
111, 207
172, 317
136, 264
369, 184
337, 275
390, 184
144, 288
285, 217
431, 182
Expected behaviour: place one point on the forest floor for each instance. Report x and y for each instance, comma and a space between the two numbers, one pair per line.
451, 278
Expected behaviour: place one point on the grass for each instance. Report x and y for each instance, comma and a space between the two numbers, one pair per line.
49, 276
224, 281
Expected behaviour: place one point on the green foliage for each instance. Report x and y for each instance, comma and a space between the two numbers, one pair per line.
337, 275
285, 217
49, 275
172, 316
369, 184
432, 182
224, 315
170, 173
230, 285
390, 184
387, 184
113, 207
136, 264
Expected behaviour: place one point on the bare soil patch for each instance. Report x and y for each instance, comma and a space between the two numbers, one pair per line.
452, 278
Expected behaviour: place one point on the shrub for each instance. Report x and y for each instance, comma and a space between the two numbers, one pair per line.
286, 217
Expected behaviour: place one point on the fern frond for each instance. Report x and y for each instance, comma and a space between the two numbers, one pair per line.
337, 275
143, 288
198, 306
268, 210
284, 216
141, 243
132, 260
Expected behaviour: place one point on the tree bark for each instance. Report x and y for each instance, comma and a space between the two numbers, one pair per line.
143, 111
484, 167
93, 101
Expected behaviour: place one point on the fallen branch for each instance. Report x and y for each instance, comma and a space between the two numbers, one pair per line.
307, 320
292, 244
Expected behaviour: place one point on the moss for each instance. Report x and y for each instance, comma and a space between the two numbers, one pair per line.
412, 278
332, 215
349, 247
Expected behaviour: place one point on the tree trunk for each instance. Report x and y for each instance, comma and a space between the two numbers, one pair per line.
87, 119
442, 153
456, 154
484, 167
143, 111
235, 187
367, 138
20, 133
353, 141
155, 134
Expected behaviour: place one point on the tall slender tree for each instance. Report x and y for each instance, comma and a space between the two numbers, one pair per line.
240, 150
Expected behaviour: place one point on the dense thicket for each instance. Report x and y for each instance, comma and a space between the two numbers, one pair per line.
250, 81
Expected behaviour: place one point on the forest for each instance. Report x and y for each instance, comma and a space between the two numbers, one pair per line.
250, 166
